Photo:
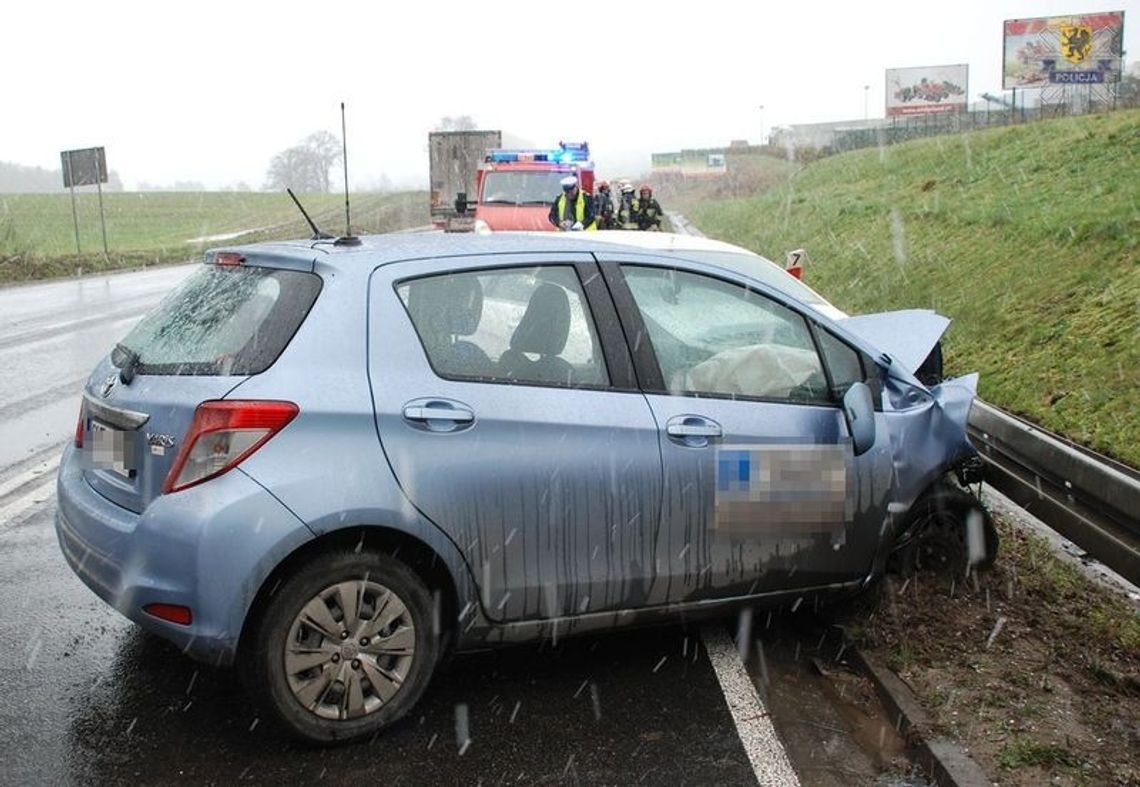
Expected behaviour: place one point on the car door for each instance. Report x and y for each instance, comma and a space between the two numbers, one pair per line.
762, 491
508, 410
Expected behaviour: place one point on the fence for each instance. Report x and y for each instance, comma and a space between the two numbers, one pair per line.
807, 141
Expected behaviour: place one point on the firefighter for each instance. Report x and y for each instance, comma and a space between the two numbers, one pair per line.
572, 210
604, 207
627, 208
648, 210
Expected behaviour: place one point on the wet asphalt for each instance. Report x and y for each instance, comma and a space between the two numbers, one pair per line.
91, 699
94, 700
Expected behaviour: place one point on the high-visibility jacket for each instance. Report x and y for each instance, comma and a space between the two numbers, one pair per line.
583, 211
627, 214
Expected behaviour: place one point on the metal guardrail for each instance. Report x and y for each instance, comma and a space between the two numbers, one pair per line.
1092, 500
1089, 499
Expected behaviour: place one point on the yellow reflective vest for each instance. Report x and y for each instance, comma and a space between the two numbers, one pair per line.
579, 210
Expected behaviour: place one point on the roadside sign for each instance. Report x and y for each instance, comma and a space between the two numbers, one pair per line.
85, 167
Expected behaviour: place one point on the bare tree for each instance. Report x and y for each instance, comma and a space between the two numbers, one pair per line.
327, 149
306, 165
460, 123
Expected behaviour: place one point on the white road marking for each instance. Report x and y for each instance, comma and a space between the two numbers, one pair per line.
38, 494
40, 470
770, 762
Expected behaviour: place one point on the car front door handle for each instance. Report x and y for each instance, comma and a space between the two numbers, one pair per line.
693, 430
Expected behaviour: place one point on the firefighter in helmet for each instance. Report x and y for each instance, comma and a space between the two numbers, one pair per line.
627, 208
572, 210
604, 207
648, 210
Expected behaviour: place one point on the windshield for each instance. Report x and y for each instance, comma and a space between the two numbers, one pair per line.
521, 188
221, 321
762, 270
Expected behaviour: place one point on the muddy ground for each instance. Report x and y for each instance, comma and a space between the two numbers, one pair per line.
1031, 666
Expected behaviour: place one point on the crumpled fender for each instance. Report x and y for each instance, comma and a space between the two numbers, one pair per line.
927, 430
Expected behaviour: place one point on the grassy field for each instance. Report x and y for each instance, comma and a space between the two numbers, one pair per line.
37, 236
1028, 237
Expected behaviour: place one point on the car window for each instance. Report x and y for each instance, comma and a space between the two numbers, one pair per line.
842, 362
522, 325
223, 320
714, 337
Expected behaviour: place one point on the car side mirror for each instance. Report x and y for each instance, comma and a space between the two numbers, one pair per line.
859, 410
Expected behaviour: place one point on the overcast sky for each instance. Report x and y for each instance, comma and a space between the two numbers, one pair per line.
209, 91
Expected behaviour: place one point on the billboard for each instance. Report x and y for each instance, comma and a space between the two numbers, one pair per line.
927, 89
86, 167
1062, 50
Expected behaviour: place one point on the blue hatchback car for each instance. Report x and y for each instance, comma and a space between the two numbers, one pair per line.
331, 465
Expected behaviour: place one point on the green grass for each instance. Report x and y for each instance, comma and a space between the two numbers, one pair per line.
1028, 237
1022, 752
37, 235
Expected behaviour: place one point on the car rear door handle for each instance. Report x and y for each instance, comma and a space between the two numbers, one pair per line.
438, 415
693, 430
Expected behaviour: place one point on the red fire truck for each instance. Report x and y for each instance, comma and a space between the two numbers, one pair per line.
513, 187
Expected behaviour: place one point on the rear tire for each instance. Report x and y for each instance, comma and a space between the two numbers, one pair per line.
343, 648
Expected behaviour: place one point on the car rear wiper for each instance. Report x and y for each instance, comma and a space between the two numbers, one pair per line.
130, 363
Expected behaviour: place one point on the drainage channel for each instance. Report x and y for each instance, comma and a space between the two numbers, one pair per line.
833, 726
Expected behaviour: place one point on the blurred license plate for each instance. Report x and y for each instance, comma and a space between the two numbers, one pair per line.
111, 449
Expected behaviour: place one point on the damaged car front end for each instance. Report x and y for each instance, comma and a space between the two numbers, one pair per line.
934, 520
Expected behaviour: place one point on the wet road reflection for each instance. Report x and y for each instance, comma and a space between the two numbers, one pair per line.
95, 700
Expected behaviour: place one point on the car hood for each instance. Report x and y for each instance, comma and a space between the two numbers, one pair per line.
907, 336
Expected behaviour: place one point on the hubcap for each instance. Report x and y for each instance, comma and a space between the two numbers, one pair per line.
349, 650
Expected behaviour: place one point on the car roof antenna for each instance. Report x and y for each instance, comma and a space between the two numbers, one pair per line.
317, 234
348, 239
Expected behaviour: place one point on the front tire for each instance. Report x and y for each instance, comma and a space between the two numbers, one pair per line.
343, 648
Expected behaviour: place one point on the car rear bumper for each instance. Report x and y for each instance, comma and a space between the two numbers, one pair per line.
208, 548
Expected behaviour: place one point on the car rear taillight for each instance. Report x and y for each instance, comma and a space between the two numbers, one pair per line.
81, 425
222, 435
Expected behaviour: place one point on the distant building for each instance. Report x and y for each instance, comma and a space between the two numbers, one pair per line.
706, 162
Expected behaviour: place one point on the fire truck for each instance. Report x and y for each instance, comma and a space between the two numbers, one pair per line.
513, 186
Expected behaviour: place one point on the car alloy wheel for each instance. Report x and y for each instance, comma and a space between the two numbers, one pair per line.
349, 650
342, 647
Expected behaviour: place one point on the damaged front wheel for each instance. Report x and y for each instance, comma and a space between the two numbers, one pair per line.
949, 532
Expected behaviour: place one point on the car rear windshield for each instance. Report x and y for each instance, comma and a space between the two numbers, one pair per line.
223, 320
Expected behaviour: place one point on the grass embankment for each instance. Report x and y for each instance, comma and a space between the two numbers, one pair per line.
1031, 666
37, 235
1028, 237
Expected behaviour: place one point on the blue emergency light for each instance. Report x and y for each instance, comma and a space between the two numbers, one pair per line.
567, 153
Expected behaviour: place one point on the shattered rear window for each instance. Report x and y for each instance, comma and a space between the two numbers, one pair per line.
221, 321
